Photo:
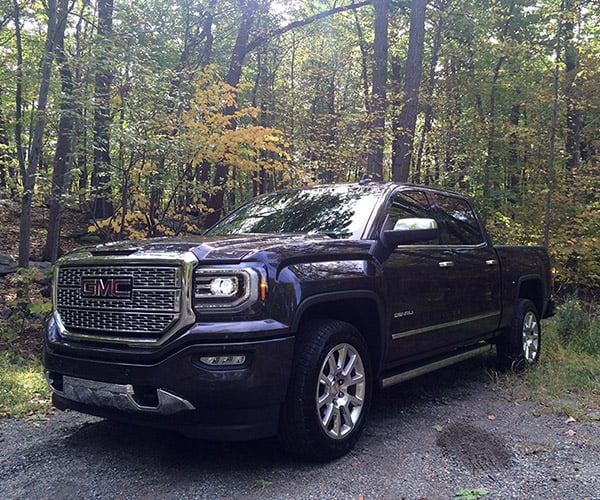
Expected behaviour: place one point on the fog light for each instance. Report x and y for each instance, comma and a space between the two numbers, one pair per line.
223, 360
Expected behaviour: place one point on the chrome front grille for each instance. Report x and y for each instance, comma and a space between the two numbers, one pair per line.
149, 308
146, 300
143, 277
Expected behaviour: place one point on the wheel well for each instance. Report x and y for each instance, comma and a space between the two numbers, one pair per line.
532, 290
360, 313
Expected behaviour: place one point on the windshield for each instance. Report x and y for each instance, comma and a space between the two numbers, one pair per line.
337, 211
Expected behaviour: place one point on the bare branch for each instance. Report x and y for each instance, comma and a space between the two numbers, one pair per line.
303, 22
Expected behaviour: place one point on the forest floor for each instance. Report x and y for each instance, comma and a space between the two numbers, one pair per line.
465, 430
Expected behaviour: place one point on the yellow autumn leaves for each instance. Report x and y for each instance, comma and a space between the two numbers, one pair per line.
214, 130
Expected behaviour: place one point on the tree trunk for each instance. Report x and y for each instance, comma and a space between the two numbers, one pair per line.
572, 87
428, 114
6, 172
101, 177
491, 156
404, 129
56, 26
63, 155
379, 101
364, 71
553, 130
19, 91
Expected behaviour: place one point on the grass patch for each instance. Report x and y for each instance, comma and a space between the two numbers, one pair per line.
567, 378
23, 388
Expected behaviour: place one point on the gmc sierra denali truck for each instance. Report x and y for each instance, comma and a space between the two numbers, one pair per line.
286, 315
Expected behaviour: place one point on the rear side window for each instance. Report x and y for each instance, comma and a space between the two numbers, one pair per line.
457, 221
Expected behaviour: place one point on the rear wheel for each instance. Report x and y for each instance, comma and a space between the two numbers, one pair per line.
329, 393
519, 345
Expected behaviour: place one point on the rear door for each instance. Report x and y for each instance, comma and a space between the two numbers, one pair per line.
473, 267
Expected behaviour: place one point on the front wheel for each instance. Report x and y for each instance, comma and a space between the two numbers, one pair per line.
519, 345
329, 393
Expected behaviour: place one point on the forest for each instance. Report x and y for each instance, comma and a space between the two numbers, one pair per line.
156, 117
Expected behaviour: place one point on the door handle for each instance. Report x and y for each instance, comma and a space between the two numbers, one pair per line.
446, 263
491, 262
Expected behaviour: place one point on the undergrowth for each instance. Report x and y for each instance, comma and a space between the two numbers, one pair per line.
567, 378
23, 310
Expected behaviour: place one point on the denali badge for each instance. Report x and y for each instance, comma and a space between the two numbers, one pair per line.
105, 287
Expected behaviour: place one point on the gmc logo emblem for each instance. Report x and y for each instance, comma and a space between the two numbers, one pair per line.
106, 287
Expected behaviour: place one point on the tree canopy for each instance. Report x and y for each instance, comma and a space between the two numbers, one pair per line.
156, 117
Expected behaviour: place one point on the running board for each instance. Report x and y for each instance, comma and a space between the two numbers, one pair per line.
422, 370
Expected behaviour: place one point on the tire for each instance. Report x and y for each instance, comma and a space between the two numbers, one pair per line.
329, 394
519, 345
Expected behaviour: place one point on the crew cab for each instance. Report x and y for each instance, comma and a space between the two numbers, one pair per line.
285, 316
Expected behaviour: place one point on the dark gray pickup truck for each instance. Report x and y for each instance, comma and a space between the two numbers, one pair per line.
286, 315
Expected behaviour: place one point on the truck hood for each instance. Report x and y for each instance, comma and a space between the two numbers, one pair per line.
231, 249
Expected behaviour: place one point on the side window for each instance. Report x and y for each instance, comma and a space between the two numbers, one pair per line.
409, 205
458, 223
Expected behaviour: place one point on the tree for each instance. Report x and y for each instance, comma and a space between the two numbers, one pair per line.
63, 155
57, 19
101, 178
572, 85
379, 102
404, 127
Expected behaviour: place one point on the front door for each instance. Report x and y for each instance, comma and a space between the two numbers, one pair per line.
419, 286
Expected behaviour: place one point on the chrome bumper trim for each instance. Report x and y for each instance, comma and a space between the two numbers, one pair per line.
117, 396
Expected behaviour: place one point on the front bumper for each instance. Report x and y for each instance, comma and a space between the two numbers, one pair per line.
179, 391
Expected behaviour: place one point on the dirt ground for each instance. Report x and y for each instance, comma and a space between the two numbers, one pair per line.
430, 438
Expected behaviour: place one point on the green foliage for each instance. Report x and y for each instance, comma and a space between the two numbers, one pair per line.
578, 327
23, 388
567, 378
476, 494
27, 307
571, 321
576, 231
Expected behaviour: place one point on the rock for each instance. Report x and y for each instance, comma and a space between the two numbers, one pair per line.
7, 264
90, 239
41, 265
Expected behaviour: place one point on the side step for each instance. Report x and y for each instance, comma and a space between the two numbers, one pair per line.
441, 363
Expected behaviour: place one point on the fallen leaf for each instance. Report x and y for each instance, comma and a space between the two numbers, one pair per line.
570, 420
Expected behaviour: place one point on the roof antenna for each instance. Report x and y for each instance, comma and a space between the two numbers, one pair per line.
364, 180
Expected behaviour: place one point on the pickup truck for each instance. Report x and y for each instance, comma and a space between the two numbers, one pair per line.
284, 317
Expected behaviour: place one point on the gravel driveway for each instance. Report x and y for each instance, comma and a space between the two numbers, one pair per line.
429, 438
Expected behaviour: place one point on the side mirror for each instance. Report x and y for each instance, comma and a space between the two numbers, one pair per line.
409, 231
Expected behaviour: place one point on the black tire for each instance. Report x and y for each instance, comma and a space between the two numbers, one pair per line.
323, 415
519, 345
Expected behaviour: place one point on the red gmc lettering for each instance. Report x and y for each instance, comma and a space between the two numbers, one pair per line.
106, 287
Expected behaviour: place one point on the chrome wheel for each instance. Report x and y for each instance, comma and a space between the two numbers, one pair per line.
519, 345
341, 390
531, 337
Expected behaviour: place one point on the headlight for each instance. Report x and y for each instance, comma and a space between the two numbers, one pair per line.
227, 288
